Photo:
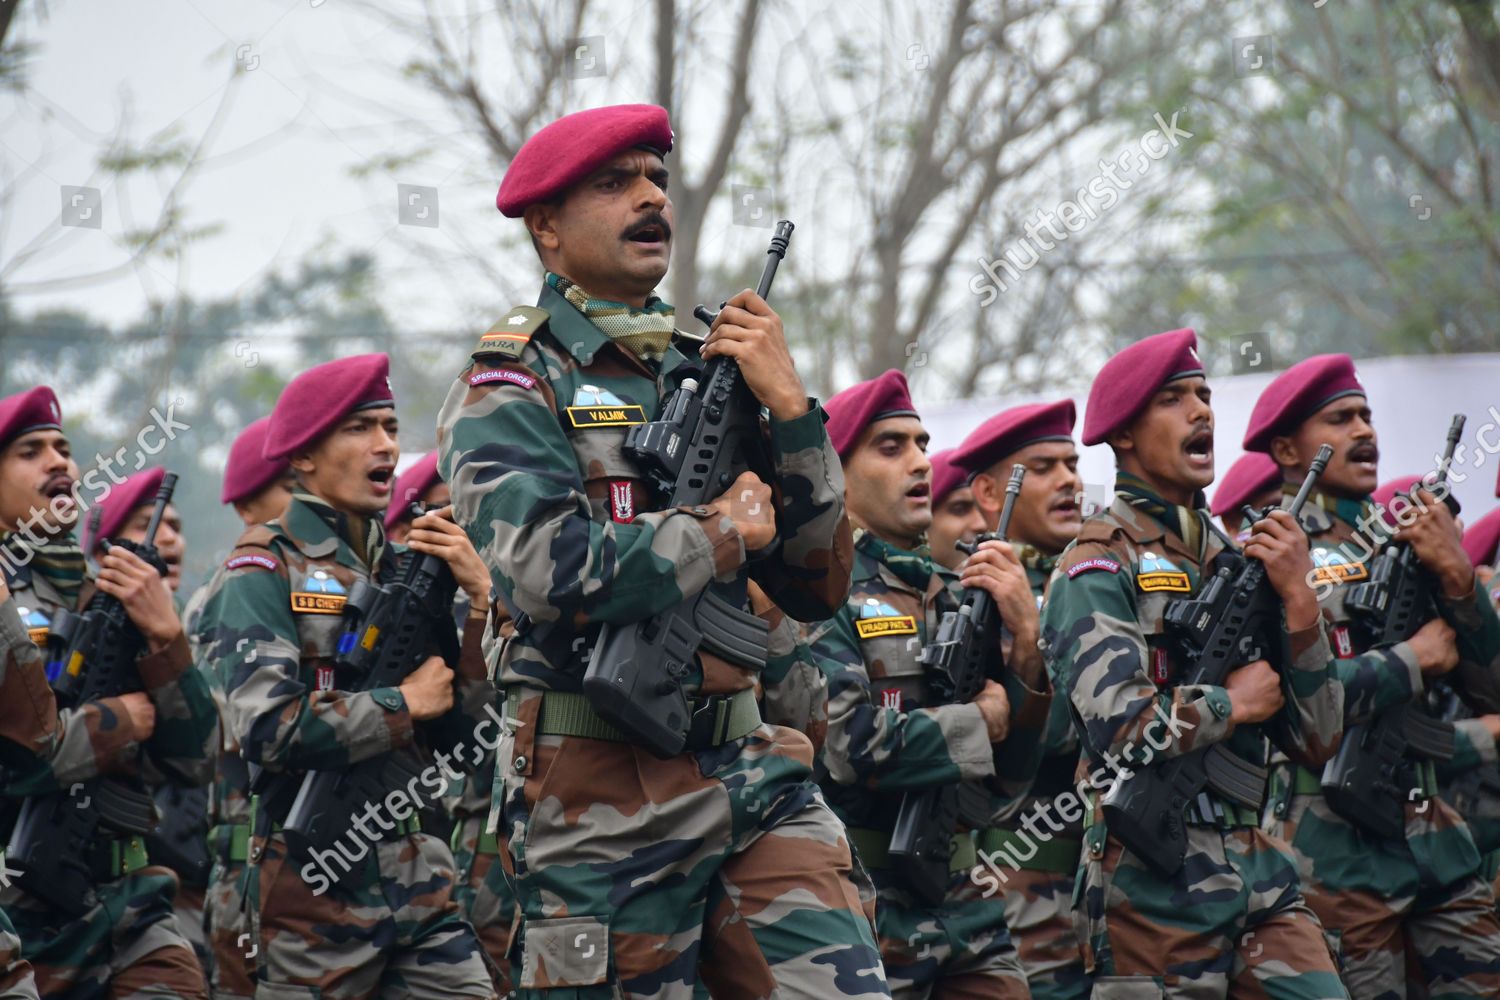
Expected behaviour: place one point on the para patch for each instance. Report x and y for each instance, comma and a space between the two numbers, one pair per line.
512, 332
321, 595
1158, 573
877, 618
596, 407
37, 624
1333, 567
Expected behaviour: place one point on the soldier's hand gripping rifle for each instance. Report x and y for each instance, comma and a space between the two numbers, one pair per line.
1370, 779
59, 839
706, 435
959, 660
1237, 618
389, 630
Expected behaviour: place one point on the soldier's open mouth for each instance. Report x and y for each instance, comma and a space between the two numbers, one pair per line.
57, 486
1366, 455
649, 235
920, 493
1200, 447
380, 478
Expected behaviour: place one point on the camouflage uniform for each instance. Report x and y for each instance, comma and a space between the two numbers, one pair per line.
129, 941
1381, 898
28, 725
226, 918
392, 928
1038, 890
885, 738
635, 874
1232, 919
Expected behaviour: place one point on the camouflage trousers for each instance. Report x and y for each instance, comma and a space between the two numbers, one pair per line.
227, 926
483, 893
635, 875
1419, 902
1039, 913
1231, 923
393, 932
187, 907
127, 946
16, 979
960, 950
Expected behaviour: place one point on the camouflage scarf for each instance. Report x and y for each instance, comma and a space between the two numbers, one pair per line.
1348, 511
913, 567
59, 560
1034, 559
365, 535
1184, 522
643, 332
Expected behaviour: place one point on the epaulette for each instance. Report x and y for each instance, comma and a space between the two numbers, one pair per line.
1097, 548
511, 332
689, 343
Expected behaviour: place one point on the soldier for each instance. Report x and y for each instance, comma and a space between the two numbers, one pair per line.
1481, 540
1147, 934
1038, 889
1388, 900
180, 842
1253, 479
418, 484
259, 490
127, 940
955, 516
372, 916
886, 736
635, 875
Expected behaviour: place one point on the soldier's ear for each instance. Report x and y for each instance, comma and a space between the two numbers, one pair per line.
1284, 453
1121, 441
986, 492
302, 463
541, 223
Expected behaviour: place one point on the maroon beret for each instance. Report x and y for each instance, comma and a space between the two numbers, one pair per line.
1250, 476
1298, 393
1008, 431
859, 406
1128, 380
574, 146
947, 476
1482, 538
313, 403
247, 471
115, 508
410, 485
1386, 492
32, 410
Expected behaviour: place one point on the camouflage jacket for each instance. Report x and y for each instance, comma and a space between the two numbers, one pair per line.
229, 802
530, 440
28, 712
272, 631
1375, 679
885, 735
1103, 637
91, 740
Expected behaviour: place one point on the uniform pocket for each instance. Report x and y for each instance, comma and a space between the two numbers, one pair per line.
1127, 988
564, 952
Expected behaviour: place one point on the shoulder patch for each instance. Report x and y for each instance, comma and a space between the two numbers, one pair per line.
510, 375
1096, 562
511, 332
253, 559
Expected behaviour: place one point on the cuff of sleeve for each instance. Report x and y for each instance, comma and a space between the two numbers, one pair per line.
1310, 649
968, 741
1402, 653
800, 433
1479, 736
164, 666
725, 543
397, 718
1461, 612
1211, 705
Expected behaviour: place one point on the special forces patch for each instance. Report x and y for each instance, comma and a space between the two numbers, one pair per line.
1333, 567
37, 624
876, 618
1160, 573
323, 595
596, 407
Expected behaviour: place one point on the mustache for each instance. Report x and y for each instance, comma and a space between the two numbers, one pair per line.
654, 219
1363, 452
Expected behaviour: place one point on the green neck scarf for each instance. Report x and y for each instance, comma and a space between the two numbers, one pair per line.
365, 535
1184, 522
1033, 558
912, 567
643, 332
59, 560
1348, 511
